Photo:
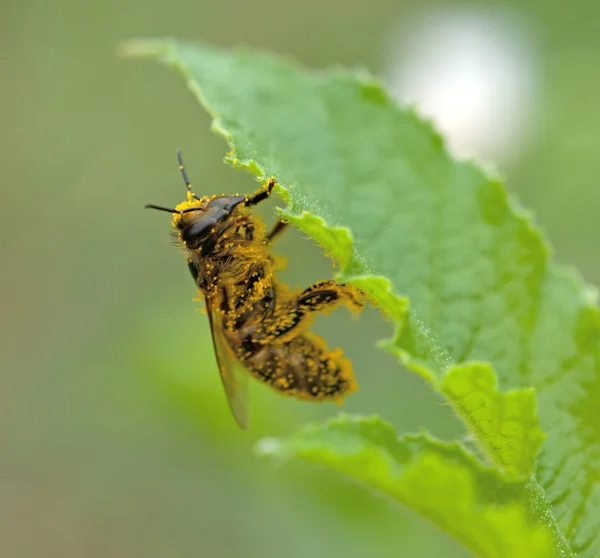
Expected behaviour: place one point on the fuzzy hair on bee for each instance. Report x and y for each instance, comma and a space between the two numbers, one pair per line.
259, 325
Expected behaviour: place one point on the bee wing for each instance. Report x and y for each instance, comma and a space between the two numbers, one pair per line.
235, 379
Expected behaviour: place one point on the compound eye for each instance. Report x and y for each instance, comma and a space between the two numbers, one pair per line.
227, 204
236, 201
194, 236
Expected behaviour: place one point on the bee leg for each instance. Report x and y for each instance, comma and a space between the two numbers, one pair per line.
255, 292
262, 194
249, 230
193, 270
324, 296
248, 227
270, 300
277, 229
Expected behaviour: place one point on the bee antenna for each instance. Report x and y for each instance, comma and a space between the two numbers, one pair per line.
172, 210
160, 208
183, 171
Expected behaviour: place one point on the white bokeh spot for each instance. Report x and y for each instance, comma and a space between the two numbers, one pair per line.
473, 71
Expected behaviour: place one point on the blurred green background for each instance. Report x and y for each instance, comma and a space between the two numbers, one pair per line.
115, 437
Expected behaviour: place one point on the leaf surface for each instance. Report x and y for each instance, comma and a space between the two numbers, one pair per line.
511, 339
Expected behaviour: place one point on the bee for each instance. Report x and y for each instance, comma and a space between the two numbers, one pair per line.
258, 324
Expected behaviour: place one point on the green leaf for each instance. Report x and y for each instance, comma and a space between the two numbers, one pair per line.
505, 424
440, 481
490, 315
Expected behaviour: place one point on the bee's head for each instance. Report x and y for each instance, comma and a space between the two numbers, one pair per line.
196, 218
197, 223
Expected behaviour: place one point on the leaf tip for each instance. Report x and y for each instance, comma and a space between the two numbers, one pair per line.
505, 423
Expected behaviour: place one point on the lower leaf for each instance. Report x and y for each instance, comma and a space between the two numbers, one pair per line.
442, 482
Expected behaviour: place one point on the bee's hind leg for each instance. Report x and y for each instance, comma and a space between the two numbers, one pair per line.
296, 316
326, 295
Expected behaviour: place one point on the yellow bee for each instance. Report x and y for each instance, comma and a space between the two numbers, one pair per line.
257, 322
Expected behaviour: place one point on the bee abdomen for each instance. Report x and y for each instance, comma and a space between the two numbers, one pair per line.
302, 367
